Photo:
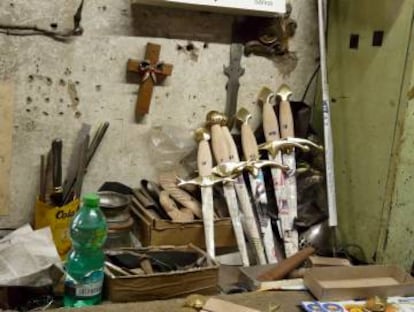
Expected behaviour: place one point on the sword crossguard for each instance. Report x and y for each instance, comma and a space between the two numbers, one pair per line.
229, 169
255, 165
287, 144
205, 181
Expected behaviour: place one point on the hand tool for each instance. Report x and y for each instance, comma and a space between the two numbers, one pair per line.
244, 200
234, 71
286, 266
204, 165
221, 155
77, 188
257, 185
73, 166
329, 153
96, 141
288, 203
42, 186
57, 194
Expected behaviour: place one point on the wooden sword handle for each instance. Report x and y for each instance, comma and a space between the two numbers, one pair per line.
270, 123
218, 142
249, 144
231, 146
286, 120
204, 159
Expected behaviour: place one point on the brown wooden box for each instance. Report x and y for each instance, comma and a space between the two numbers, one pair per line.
167, 285
157, 232
343, 283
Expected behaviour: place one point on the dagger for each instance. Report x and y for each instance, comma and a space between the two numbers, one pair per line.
289, 201
204, 165
244, 200
257, 185
221, 155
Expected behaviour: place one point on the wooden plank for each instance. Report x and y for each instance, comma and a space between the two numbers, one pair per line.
6, 133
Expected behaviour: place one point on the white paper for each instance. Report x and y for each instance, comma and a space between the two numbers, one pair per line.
254, 7
26, 257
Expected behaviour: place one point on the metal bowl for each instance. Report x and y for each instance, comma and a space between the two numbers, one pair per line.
113, 204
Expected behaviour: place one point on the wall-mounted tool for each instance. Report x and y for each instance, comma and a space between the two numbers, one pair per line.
234, 71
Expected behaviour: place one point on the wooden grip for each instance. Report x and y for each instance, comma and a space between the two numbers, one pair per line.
286, 266
270, 123
249, 143
218, 143
286, 120
231, 146
204, 159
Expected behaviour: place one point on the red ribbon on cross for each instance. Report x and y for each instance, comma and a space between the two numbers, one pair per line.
146, 70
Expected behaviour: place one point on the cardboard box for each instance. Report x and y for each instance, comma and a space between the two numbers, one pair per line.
157, 232
248, 7
157, 286
358, 282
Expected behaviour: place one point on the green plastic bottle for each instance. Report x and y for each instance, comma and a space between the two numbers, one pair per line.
85, 262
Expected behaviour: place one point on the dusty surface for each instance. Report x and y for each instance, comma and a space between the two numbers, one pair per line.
289, 301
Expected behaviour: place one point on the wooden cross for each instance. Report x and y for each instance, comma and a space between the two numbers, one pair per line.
151, 72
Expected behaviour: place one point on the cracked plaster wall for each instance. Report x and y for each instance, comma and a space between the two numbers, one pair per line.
38, 72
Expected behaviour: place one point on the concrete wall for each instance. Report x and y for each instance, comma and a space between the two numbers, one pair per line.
35, 73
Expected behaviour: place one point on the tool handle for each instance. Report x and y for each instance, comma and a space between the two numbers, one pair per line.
249, 144
270, 123
57, 163
218, 143
286, 266
286, 120
204, 159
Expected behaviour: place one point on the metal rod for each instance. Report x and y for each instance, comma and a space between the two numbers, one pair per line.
329, 153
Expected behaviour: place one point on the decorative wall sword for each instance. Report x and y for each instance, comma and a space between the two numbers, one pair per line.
204, 165
257, 185
289, 192
221, 155
234, 71
244, 200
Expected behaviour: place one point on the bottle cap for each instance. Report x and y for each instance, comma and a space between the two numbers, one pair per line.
91, 200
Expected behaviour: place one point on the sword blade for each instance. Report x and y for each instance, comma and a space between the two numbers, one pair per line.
231, 200
250, 220
207, 209
290, 237
259, 194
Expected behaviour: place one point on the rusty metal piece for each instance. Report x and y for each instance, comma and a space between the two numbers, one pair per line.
205, 181
272, 37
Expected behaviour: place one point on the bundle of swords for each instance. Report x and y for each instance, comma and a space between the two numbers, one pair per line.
52, 189
243, 181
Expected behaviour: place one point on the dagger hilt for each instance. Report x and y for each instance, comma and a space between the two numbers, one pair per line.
204, 159
220, 151
249, 144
